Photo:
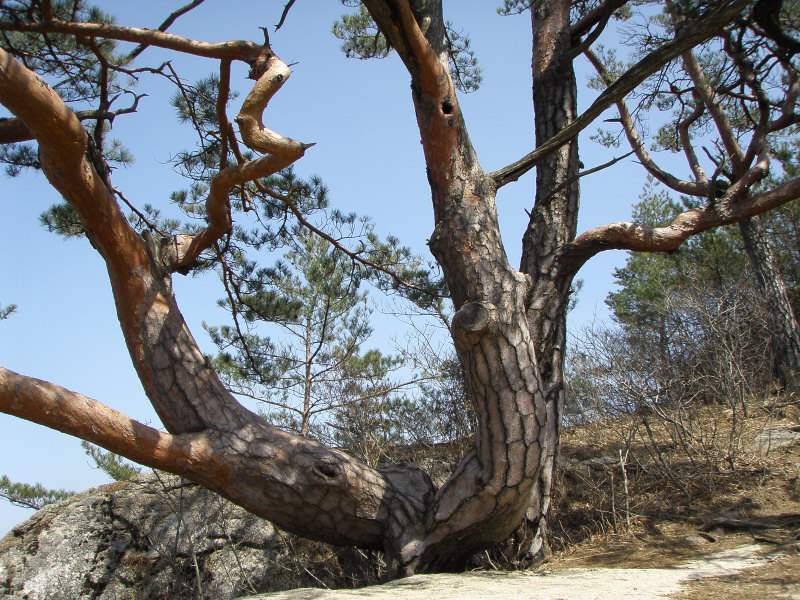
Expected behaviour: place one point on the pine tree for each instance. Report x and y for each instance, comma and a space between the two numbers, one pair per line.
313, 305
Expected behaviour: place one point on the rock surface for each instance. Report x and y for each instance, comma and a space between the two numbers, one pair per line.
776, 437
575, 584
158, 537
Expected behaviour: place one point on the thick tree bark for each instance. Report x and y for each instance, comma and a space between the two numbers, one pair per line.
295, 482
784, 329
552, 225
492, 488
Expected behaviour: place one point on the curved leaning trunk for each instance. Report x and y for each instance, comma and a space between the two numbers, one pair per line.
509, 327
297, 483
492, 488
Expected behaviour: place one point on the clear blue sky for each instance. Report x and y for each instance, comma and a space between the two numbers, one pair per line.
368, 152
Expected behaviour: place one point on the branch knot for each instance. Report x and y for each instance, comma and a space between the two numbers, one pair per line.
472, 320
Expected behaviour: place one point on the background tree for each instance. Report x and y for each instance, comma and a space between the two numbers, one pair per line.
665, 335
723, 94
508, 328
315, 365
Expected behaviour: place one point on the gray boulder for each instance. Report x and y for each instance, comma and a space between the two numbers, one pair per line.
158, 537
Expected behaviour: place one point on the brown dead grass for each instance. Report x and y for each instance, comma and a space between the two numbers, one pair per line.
591, 529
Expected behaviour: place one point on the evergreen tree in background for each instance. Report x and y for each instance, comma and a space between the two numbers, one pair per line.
713, 257
313, 363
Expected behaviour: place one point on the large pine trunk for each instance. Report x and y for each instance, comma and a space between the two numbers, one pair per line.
784, 332
552, 225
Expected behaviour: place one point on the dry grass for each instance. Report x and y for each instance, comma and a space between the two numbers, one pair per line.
674, 486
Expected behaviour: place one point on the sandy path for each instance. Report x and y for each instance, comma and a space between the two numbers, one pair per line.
567, 584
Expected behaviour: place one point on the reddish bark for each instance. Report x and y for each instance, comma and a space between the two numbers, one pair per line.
508, 329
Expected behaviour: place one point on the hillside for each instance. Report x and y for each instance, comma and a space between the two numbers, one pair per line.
663, 506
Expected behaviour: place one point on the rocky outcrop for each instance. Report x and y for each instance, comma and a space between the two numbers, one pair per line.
158, 537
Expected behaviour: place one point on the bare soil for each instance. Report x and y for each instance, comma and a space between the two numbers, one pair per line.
742, 572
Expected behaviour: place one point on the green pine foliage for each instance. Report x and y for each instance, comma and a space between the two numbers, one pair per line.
362, 39
7, 310
714, 257
312, 304
72, 68
111, 464
27, 495
35, 496
295, 292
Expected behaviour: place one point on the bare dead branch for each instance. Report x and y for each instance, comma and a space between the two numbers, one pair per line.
254, 134
284, 14
137, 212
628, 126
701, 30
591, 171
283, 152
166, 25
378, 394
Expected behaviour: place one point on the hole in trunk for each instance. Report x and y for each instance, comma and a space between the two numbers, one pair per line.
326, 470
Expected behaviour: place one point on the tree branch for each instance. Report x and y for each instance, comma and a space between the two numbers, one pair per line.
63, 144
591, 171
628, 126
223, 91
283, 152
243, 50
288, 487
585, 44
594, 17
218, 208
166, 25
686, 140
701, 30
254, 134
13, 130
284, 14
721, 121
74, 414
767, 14
628, 236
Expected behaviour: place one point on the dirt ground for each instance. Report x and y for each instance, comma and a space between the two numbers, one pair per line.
772, 573
779, 577
749, 571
